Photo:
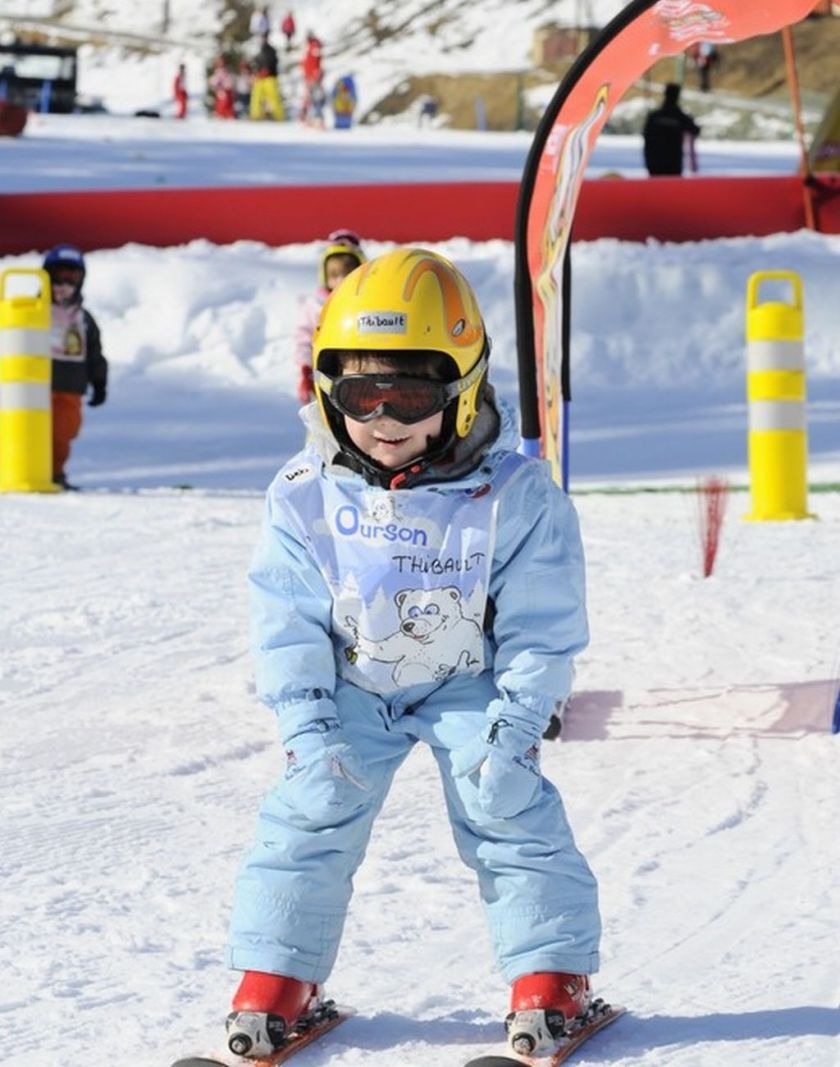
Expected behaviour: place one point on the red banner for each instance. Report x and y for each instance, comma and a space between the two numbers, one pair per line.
643, 33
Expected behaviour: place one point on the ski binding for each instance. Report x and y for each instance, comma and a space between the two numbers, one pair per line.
328, 1016
598, 1015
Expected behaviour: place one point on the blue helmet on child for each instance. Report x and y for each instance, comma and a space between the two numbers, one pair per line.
66, 261
64, 256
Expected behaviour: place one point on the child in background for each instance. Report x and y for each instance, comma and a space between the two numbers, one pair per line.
416, 580
222, 84
76, 350
341, 255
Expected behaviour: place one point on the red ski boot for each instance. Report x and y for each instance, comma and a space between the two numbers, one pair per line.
266, 1009
542, 1008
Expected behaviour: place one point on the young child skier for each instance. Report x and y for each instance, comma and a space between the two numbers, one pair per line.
415, 580
341, 255
76, 350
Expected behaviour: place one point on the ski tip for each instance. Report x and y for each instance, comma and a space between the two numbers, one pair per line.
198, 1061
494, 1061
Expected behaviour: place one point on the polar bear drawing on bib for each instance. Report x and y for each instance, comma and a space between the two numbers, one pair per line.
434, 640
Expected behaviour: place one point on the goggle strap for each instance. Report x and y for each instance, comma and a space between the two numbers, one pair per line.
454, 389
324, 381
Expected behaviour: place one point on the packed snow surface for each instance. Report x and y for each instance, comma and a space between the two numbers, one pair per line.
696, 765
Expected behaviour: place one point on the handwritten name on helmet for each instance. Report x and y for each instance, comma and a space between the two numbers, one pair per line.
382, 322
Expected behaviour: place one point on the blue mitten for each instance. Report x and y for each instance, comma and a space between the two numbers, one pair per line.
506, 758
325, 777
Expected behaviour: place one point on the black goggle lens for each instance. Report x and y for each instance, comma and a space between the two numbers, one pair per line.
66, 277
364, 396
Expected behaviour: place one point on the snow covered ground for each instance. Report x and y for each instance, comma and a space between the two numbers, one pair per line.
378, 42
697, 766
124, 152
138, 48
697, 770
203, 382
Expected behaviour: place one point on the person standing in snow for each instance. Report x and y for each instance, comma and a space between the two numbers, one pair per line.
260, 23
78, 363
341, 255
415, 580
222, 84
427, 110
704, 55
179, 92
265, 91
664, 131
311, 66
287, 28
344, 102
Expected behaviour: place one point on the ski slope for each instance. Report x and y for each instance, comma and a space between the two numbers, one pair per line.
697, 770
697, 766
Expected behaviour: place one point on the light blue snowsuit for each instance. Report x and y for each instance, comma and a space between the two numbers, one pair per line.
348, 584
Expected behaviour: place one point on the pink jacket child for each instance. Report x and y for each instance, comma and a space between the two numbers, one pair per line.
222, 83
341, 255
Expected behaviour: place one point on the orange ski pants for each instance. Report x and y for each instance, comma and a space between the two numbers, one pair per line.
66, 423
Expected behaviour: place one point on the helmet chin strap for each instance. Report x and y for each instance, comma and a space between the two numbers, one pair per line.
398, 477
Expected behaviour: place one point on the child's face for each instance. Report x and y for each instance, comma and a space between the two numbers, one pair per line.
392, 444
337, 268
64, 284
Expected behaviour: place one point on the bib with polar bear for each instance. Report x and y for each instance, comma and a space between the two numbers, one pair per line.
409, 571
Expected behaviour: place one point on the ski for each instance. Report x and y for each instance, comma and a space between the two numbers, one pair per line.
599, 1015
329, 1018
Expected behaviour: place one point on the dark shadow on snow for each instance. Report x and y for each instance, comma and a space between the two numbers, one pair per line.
630, 1035
633, 1035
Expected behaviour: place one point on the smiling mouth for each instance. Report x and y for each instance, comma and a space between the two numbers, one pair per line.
391, 440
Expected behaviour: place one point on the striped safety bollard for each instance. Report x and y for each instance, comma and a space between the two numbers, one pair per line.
25, 394
778, 438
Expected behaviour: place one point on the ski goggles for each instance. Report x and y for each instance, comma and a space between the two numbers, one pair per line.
363, 397
67, 276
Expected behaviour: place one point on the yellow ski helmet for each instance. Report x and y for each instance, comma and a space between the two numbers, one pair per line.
409, 300
339, 243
